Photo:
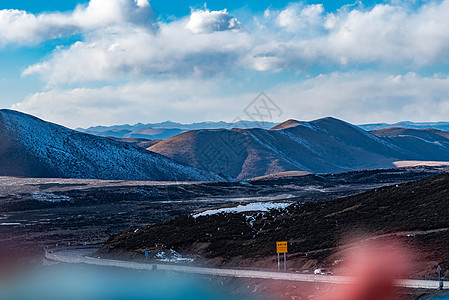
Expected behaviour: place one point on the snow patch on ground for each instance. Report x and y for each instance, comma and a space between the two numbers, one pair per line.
50, 197
250, 207
172, 256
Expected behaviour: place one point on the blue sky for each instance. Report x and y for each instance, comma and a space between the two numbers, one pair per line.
83, 63
175, 8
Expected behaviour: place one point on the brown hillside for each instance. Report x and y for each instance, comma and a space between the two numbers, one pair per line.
286, 124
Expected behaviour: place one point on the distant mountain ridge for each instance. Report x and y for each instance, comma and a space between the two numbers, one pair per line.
31, 147
429, 144
407, 124
168, 129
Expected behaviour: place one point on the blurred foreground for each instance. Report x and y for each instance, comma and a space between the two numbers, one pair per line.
373, 265
90, 283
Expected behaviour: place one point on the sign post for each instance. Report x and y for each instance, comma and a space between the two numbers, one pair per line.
279, 263
439, 278
285, 262
281, 247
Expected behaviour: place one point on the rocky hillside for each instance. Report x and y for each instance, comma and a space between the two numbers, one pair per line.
31, 147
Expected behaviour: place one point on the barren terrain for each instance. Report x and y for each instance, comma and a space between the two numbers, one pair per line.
35, 213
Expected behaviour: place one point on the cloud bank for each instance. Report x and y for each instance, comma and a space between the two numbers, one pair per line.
354, 97
120, 39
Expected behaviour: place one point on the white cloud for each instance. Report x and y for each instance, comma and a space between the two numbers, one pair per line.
298, 37
182, 100
392, 34
21, 27
206, 21
387, 34
363, 97
355, 97
24, 28
135, 51
297, 17
101, 13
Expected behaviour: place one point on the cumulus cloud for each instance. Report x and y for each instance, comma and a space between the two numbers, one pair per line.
21, 27
297, 17
362, 97
127, 51
387, 34
296, 38
101, 13
206, 21
391, 34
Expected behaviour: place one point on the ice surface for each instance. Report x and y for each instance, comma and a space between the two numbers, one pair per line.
254, 206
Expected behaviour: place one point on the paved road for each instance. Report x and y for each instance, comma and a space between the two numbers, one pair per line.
79, 256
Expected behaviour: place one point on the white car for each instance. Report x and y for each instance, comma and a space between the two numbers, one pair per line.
322, 271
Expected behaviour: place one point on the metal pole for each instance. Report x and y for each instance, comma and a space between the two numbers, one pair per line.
279, 263
285, 262
439, 278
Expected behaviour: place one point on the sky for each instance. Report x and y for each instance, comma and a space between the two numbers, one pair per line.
105, 62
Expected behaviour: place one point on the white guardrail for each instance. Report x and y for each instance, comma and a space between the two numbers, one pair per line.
79, 256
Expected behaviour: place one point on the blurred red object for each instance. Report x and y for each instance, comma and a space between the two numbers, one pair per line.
374, 266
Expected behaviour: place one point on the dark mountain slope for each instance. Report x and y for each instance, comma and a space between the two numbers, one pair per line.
407, 124
153, 133
432, 135
31, 147
415, 212
426, 144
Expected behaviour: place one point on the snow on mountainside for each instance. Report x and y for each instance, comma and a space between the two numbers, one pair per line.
426, 144
31, 147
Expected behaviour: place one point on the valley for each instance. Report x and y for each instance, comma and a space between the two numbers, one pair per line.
413, 214
36, 213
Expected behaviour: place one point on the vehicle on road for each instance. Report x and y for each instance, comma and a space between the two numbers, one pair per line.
322, 271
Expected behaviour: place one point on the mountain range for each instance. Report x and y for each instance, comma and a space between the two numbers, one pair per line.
31, 147
165, 130
168, 129
326, 145
407, 124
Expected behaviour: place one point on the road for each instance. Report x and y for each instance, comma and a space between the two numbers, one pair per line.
76, 256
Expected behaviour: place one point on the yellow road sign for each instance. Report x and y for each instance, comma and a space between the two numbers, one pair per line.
281, 247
